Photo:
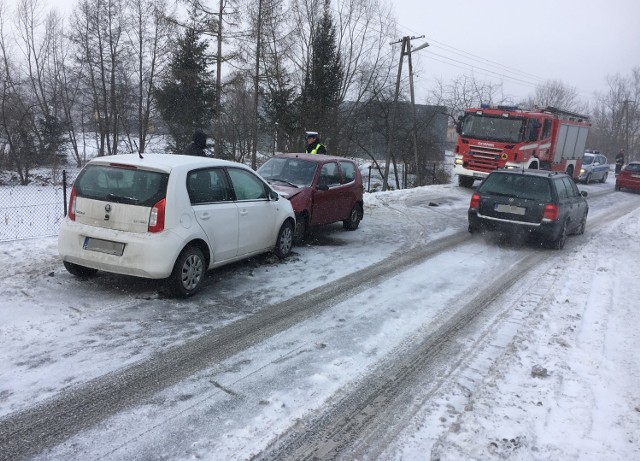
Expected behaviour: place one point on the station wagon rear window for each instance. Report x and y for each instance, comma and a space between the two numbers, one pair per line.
515, 185
121, 185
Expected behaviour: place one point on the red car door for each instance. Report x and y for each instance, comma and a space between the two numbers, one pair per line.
326, 195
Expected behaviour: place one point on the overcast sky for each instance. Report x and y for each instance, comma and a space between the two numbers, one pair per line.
579, 42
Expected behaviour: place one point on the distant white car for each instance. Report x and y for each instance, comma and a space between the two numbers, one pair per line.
170, 216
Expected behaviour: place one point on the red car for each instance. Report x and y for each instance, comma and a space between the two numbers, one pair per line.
629, 177
322, 189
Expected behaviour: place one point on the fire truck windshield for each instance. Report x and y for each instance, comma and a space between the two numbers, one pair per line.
493, 128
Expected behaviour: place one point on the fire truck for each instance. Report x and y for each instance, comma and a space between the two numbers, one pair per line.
491, 137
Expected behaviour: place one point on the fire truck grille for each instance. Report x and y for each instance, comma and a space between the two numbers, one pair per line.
484, 159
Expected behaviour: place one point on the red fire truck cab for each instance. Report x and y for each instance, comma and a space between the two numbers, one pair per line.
491, 137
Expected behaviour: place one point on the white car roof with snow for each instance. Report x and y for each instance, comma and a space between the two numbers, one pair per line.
165, 162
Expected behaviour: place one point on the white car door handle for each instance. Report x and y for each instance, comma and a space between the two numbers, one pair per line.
205, 216
244, 212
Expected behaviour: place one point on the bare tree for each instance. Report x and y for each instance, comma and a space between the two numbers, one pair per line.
149, 39
464, 92
236, 126
98, 34
616, 117
30, 88
279, 107
556, 94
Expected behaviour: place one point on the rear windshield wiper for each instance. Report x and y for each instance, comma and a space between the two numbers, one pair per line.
118, 198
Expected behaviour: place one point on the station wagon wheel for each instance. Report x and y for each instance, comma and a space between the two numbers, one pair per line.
588, 179
79, 271
558, 243
604, 178
284, 243
354, 218
188, 272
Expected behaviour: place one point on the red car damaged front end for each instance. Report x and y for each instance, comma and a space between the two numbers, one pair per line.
322, 189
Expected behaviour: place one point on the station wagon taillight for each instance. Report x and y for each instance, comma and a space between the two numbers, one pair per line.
156, 217
71, 212
475, 202
551, 212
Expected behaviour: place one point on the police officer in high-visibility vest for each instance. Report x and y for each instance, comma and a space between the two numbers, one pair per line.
314, 146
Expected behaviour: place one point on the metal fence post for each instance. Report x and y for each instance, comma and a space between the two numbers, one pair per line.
64, 190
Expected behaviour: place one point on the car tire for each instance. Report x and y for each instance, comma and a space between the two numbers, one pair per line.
79, 271
355, 216
301, 230
558, 243
465, 181
188, 273
284, 243
587, 180
604, 178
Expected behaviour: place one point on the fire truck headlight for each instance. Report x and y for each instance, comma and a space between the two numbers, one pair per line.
457, 161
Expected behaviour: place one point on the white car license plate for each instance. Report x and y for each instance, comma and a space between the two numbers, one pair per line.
103, 246
510, 209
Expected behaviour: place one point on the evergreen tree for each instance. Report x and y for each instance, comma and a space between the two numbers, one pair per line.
321, 95
186, 96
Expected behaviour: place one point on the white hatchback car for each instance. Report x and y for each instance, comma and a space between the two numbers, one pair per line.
170, 216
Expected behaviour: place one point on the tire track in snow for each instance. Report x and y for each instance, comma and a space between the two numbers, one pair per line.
359, 420
27, 433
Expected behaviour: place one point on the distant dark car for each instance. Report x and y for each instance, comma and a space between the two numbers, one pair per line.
322, 189
538, 203
595, 167
629, 177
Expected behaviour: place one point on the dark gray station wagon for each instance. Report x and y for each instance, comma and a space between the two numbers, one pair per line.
539, 203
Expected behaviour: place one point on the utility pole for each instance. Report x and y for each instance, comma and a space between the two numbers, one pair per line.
392, 116
217, 139
414, 130
256, 88
405, 51
626, 116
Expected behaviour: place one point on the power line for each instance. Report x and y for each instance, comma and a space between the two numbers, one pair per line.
489, 68
486, 61
489, 71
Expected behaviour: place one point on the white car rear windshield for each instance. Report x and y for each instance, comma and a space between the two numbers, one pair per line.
121, 185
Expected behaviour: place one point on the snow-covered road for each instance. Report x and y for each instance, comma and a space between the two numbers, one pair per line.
58, 333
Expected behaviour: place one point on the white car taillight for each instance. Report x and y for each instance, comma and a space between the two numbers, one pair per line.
156, 217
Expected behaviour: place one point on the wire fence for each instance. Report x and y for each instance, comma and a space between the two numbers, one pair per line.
33, 210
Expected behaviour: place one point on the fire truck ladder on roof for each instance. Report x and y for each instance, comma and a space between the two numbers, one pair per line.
563, 113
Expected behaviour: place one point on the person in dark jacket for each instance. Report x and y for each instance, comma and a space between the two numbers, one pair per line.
314, 146
619, 161
198, 145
